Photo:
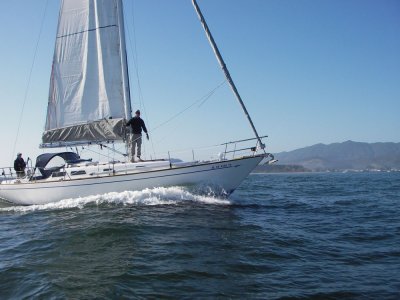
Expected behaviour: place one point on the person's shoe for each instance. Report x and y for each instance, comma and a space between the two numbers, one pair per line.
132, 160
139, 159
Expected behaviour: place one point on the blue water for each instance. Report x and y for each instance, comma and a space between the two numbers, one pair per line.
303, 236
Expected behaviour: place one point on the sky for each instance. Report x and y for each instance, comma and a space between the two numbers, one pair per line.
308, 71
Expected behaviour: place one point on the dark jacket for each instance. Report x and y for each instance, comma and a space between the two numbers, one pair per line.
19, 164
137, 124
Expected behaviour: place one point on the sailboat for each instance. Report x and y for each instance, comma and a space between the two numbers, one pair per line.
89, 104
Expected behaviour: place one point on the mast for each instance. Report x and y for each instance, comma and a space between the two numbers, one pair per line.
124, 61
225, 70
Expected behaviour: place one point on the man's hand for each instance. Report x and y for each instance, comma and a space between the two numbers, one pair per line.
147, 136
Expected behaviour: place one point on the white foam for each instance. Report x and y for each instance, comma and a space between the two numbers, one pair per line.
146, 197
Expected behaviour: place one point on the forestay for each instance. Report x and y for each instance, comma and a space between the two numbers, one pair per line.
89, 88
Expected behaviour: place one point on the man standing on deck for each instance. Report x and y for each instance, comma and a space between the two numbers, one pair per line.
137, 124
19, 166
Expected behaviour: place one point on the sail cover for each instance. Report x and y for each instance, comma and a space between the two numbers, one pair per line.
89, 88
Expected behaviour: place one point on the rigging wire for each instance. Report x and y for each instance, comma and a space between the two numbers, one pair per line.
202, 100
29, 78
96, 152
133, 46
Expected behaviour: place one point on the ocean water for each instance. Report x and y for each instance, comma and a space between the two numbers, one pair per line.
279, 236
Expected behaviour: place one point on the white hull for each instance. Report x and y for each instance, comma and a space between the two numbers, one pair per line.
226, 175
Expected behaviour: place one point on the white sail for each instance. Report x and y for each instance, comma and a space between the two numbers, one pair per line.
89, 88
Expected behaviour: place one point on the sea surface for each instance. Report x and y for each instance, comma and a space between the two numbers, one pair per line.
279, 236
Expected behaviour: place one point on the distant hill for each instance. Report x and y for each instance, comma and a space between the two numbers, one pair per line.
276, 168
344, 156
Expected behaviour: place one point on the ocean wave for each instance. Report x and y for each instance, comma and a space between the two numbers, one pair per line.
146, 197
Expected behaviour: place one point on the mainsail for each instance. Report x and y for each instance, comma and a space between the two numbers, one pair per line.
89, 87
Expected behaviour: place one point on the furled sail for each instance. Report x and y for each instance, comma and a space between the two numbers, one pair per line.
89, 88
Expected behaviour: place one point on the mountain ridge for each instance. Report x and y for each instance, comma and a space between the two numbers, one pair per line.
348, 155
